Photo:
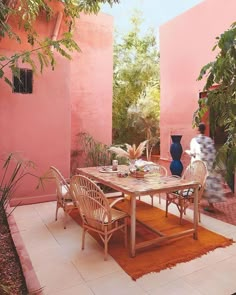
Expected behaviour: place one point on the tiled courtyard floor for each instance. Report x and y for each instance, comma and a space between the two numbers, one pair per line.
63, 268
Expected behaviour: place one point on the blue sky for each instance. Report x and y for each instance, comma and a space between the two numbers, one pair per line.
155, 12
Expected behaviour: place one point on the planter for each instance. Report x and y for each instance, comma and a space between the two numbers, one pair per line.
176, 167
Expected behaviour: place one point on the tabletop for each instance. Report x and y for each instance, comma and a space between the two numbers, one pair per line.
151, 183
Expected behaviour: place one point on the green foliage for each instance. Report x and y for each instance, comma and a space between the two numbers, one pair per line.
221, 100
94, 153
14, 169
136, 75
25, 13
144, 116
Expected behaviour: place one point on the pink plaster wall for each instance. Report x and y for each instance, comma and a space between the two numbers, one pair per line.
91, 79
186, 44
38, 125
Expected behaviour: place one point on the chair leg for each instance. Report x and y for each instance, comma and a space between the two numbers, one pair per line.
105, 246
56, 212
83, 238
159, 198
65, 219
151, 200
181, 217
125, 233
181, 211
167, 204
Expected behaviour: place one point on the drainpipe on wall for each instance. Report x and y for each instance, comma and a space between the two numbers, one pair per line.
57, 27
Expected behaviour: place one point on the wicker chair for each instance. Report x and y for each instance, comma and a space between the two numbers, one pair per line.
163, 172
96, 212
196, 171
64, 198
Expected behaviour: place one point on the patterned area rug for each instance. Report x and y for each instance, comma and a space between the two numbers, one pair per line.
166, 255
224, 211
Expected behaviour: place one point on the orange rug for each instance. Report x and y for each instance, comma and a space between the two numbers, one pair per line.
168, 254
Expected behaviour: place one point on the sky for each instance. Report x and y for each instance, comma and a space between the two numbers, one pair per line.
154, 12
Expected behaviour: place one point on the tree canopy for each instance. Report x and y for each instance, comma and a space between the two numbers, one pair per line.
221, 96
135, 83
25, 13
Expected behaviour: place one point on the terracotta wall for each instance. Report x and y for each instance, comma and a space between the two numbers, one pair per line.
186, 44
38, 125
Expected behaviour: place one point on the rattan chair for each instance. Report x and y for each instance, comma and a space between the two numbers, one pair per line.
64, 198
96, 212
162, 171
196, 171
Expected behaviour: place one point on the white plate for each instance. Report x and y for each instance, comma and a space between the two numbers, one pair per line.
108, 170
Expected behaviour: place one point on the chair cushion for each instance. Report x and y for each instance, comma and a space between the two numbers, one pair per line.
115, 215
66, 197
64, 190
185, 193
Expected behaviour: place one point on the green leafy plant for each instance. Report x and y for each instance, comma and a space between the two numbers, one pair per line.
93, 152
221, 98
144, 116
14, 169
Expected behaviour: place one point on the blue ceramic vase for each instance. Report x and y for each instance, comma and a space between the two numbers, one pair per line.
176, 167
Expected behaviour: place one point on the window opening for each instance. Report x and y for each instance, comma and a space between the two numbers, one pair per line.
23, 83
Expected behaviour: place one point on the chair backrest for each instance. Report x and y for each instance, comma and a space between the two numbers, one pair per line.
162, 170
159, 169
63, 188
197, 171
94, 206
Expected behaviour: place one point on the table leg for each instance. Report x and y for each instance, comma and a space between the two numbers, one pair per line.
132, 226
195, 215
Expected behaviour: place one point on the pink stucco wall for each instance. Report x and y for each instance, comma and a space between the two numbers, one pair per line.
186, 44
91, 79
39, 125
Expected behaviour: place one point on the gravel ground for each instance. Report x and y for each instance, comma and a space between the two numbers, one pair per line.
12, 281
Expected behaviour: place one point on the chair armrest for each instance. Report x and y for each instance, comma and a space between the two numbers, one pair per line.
113, 195
116, 201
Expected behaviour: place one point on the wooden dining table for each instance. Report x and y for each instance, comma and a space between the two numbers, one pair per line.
137, 187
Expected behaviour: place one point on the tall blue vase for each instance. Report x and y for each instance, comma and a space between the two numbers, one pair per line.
176, 167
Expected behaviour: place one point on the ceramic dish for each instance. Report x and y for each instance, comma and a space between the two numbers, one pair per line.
107, 170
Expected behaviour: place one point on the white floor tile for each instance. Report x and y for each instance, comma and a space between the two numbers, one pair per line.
64, 269
178, 287
91, 264
117, 283
152, 280
219, 277
58, 276
81, 289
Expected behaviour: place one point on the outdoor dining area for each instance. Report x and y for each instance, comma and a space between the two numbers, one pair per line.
142, 228
84, 198
85, 209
